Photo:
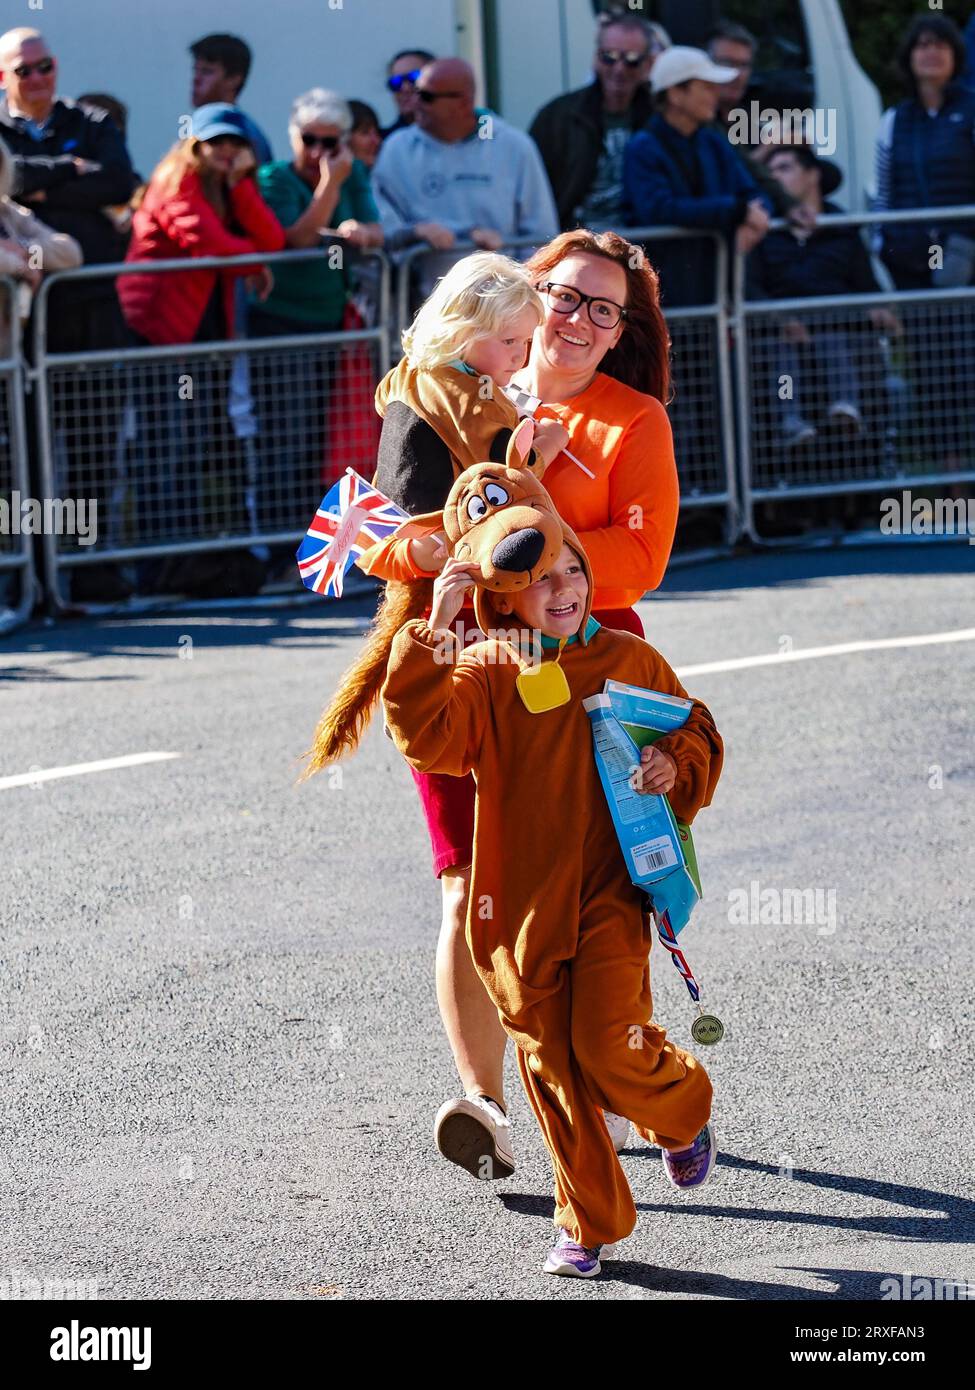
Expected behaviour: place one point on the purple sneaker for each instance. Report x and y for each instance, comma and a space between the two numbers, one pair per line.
577, 1261
692, 1167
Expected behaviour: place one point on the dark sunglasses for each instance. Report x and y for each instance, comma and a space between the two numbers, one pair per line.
237, 141
609, 57
427, 96
564, 299
325, 142
43, 66
395, 83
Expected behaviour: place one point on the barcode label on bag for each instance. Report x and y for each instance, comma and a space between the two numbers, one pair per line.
653, 855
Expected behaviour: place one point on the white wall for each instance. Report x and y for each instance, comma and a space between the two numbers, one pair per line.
545, 47
137, 50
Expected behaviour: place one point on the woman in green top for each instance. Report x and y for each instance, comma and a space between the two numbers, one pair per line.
322, 192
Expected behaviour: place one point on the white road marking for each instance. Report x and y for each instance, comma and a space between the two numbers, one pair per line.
49, 774
741, 663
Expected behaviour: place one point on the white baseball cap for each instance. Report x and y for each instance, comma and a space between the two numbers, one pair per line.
680, 64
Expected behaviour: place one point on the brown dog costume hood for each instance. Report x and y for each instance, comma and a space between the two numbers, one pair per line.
502, 518
497, 515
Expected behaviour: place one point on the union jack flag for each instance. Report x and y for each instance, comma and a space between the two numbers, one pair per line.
352, 516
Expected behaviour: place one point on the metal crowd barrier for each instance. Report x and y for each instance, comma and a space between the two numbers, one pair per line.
702, 407
16, 526
906, 397
229, 445
199, 447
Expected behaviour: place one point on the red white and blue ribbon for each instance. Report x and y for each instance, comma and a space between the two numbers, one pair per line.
668, 939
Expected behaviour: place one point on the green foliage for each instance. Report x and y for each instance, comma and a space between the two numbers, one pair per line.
875, 28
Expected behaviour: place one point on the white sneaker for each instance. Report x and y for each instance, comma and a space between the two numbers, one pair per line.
475, 1133
619, 1129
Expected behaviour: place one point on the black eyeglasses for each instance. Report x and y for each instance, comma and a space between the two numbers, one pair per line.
427, 96
564, 299
43, 66
324, 142
609, 57
395, 83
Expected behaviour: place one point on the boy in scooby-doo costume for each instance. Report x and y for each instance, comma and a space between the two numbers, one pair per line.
558, 933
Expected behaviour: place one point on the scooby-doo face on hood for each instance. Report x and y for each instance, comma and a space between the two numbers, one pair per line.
501, 518
505, 520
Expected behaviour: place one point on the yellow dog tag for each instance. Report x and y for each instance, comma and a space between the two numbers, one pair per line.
543, 687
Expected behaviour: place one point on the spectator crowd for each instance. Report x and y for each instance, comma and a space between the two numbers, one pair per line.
646, 143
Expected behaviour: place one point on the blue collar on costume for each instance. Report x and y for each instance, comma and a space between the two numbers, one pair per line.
462, 367
592, 627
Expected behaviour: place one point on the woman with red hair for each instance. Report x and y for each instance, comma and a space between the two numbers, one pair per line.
600, 364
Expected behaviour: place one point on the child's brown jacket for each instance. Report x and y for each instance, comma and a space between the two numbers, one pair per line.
544, 838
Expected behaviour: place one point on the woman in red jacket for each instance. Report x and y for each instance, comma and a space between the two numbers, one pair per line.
202, 200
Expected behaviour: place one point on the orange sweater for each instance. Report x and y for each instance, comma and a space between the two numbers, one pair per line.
625, 517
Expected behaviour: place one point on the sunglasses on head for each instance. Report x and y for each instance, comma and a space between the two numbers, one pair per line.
43, 66
427, 96
324, 142
609, 57
395, 83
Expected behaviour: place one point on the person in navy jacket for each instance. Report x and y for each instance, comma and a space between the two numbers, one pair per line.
678, 171
926, 157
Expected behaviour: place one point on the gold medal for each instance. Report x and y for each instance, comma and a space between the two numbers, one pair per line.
544, 687
707, 1030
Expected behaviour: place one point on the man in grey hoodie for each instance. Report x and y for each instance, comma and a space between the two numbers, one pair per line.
459, 173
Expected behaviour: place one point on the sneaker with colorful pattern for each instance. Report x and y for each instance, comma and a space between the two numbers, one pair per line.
692, 1167
577, 1261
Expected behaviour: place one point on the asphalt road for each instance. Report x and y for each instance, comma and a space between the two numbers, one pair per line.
221, 1050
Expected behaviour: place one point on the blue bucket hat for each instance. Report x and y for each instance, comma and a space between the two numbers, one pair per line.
218, 118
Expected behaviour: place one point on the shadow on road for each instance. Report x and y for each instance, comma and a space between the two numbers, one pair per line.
946, 1217
159, 636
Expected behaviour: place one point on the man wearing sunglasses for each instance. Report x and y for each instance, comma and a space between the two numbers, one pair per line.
459, 173
71, 164
401, 75
582, 134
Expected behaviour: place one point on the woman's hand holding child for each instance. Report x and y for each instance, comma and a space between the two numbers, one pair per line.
429, 552
550, 439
